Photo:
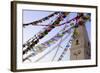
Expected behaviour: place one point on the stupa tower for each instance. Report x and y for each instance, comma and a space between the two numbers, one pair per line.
81, 47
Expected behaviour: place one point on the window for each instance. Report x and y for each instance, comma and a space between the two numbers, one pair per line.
88, 43
77, 42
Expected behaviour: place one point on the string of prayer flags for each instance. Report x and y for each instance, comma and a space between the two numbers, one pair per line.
55, 24
28, 56
35, 37
43, 46
41, 20
44, 33
42, 36
62, 55
52, 40
64, 14
40, 47
65, 50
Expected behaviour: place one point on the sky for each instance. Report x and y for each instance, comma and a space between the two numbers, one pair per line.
29, 31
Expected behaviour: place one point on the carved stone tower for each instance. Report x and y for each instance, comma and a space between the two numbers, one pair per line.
81, 47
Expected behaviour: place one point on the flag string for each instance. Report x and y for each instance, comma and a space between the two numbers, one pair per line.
41, 35
40, 20
46, 47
